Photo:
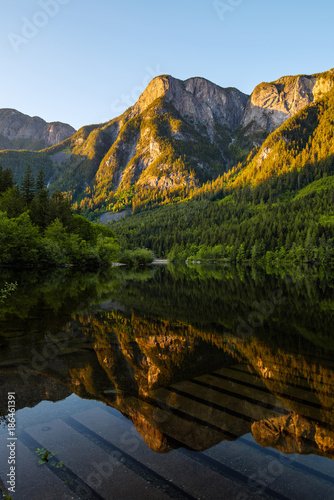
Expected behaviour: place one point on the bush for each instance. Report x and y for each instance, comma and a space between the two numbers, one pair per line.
137, 257
52, 254
19, 240
108, 249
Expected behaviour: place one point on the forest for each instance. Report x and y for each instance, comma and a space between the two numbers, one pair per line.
40, 230
277, 205
289, 217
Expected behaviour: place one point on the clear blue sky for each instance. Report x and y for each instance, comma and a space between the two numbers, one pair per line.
87, 60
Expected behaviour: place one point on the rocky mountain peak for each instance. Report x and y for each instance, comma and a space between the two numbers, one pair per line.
205, 103
271, 104
197, 99
20, 131
158, 87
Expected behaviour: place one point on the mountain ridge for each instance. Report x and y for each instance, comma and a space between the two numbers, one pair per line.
271, 104
179, 135
21, 131
212, 97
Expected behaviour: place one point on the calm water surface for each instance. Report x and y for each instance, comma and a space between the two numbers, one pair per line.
190, 383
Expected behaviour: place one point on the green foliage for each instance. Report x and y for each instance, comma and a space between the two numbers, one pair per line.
316, 186
108, 249
7, 289
39, 230
84, 229
6, 179
45, 456
62, 246
28, 186
17, 162
46, 233
137, 257
19, 240
245, 225
40, 181
12, 202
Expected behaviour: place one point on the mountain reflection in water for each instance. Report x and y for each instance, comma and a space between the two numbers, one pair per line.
192, 356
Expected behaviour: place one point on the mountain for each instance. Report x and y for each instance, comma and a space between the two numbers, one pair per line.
181, 134
271, 104
277, 205
176, 138
304, 140
20, 131
196, 99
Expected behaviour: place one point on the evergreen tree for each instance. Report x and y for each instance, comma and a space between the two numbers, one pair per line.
12, 202
42, 202
28, 186
40, 181
6, 179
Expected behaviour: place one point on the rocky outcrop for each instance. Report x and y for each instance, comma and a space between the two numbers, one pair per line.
18, 130
271, 104
198, 99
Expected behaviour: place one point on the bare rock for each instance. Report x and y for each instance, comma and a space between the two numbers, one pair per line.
23, 131
271, 104
196, 98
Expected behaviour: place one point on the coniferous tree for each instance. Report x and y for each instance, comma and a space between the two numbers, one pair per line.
28, 186
40, 206
40, 181
6, 179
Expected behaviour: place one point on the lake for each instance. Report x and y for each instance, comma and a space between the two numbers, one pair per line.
197, 382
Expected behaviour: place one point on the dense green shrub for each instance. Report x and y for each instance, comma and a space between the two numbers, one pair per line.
19, 240
137, 257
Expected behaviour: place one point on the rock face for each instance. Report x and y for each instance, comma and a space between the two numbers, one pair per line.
18, 130
271, 104
196, 98
151, 146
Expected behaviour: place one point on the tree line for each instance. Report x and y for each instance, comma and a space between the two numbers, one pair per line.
40, 230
